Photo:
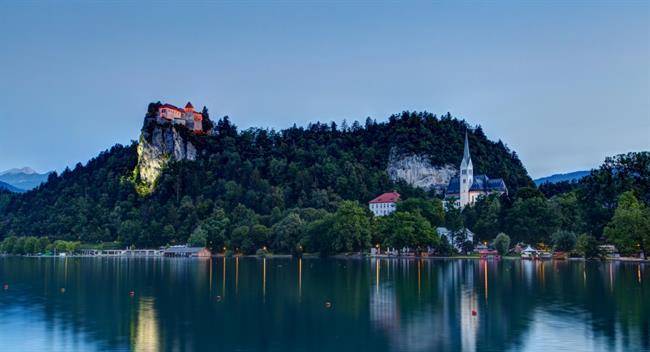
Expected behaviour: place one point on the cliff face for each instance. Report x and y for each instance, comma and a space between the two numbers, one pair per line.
417, 171
158, 144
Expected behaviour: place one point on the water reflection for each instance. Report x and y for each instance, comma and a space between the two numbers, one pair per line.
378, 304
145, 334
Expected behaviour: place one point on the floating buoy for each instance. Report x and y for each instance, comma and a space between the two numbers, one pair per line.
5, 287
131, 293
328, 305
218, 298
62, 290
473, 312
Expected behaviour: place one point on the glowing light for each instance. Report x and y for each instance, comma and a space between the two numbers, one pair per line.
223, 280
299, 278
264, 277
485, 280
377, 273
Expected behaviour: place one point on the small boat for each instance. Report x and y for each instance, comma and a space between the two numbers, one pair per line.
545, 255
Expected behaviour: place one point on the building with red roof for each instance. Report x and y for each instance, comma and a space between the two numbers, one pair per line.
384, 204
186, 117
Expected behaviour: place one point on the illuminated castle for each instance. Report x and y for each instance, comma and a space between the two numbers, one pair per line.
186, 117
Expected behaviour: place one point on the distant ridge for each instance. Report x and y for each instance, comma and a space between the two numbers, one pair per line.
571, 176
24, 178
10, 188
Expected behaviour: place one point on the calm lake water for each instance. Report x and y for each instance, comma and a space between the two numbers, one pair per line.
250, 304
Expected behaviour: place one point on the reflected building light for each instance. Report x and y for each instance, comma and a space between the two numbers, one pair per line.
299, 279
485, 280
264, 277
638, 273
377, 274
210, 280
145, 336
223, 279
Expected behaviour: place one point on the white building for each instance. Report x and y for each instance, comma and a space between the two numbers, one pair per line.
467, 188
385, 204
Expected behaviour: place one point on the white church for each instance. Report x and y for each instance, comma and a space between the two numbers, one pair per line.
467, 188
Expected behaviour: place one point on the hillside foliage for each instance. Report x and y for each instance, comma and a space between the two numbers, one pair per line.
254, 188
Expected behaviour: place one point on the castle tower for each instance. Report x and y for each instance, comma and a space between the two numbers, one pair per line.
466, 177
189, 107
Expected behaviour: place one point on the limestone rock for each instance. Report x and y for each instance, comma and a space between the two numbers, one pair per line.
417, 171
158, 144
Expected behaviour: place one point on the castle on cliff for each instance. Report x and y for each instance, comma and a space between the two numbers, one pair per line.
177, 116
467, 188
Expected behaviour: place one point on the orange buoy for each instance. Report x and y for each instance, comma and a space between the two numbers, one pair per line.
473, 312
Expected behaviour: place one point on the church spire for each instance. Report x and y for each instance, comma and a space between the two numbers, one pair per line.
466, 156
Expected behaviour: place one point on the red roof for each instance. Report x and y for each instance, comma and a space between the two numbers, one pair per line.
170, 106
189, 106
390, 197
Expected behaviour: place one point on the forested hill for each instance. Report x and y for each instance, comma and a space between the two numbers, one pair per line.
255, 176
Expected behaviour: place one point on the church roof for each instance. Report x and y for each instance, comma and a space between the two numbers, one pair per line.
481, 183
389, 197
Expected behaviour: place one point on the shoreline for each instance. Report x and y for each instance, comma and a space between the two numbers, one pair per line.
337, 256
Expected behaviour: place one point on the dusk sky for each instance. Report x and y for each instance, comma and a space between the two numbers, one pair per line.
562, 84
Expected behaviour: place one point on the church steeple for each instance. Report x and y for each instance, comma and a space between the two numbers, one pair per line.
466, 176
466, 156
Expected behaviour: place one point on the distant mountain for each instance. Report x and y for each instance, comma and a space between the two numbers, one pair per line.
10, 188
571, 176
24, 178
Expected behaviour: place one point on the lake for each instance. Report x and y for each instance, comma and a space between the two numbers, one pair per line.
311, 304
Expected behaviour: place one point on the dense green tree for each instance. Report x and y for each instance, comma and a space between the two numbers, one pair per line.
587, 246
351, 227
563, 240
502, 243
287, 234
404, 229
629, 228
198, 238
531, 220
567, 209
431, 210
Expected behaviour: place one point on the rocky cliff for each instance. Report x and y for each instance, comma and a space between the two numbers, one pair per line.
417, 171
159, 143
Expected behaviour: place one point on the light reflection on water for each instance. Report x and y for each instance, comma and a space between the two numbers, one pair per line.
283, 305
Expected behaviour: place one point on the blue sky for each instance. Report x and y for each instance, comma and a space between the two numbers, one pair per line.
564, 84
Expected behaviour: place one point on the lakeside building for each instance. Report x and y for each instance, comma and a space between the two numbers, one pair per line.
184, 251
384, 204
187, 116
467, 188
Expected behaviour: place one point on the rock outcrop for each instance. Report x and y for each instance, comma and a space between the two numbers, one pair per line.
417, 171
158, 144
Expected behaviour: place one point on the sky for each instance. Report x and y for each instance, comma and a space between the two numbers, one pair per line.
562, 83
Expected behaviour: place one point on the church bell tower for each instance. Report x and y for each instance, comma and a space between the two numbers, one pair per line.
466, 176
